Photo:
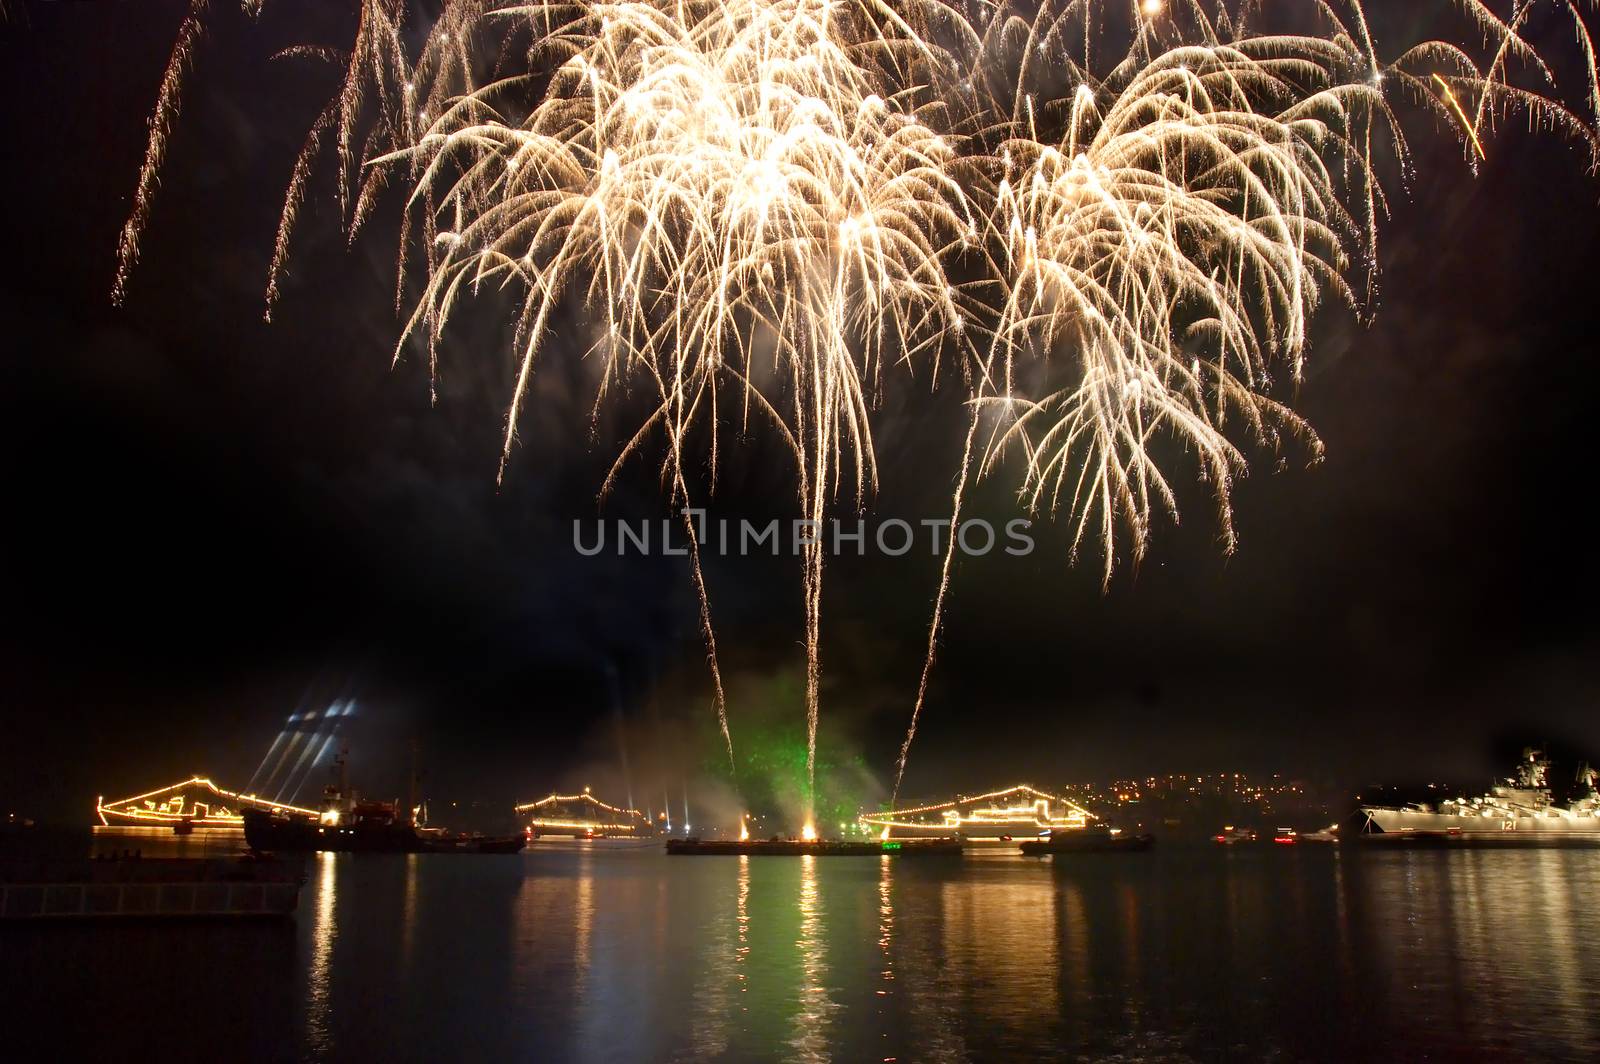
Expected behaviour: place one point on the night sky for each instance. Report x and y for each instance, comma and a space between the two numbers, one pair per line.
209, 520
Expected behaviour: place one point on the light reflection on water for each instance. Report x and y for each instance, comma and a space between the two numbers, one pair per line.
810, 1039
408, 927
324, 930
1496, 949
620, 953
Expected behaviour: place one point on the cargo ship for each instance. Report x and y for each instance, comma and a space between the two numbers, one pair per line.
1521, 809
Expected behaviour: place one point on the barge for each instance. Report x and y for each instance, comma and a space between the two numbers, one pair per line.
814, 848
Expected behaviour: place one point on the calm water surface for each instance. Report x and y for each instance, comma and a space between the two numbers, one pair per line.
617, 952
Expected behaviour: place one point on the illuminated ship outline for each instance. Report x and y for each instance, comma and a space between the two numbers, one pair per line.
149, 808
994, 822
608, 820
1520, 808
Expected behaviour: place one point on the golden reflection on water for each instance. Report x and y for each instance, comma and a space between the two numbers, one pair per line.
324, 930
583, 920
744, 929
886, 923
1132, 954
1490, 944
722, 955
551, 924
1002, 944
1564, 950
1440, 954
810, 1040
408, 918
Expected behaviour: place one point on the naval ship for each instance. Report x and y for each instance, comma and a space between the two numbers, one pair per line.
1521, 809
1012, 814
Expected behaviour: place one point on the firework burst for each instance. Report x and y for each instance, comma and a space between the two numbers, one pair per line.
745, 205
1171, 217
1116, 217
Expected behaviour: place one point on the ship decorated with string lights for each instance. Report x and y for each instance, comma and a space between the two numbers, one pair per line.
583, 816
1015, 813
192, 803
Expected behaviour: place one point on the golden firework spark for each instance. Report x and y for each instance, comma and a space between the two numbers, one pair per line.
746, 205
385, 97
1121, 215
1169, 224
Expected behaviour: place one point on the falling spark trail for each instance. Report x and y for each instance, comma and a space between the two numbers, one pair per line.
938, 610
155, 152
1466, 123
758, 204
1168, 234
749, 204
708, 633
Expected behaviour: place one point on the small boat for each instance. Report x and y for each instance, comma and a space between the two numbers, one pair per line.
184, 826
1232, 836
1094, 839
1327, 834
1447, 837
1286, 836
108, 888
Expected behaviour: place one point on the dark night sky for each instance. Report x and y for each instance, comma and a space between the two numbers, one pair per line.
207, 519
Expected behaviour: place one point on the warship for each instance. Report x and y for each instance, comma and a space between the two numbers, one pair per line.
1017, 813
583, 816
1520, 809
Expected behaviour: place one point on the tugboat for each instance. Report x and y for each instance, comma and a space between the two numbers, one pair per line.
1522, 809
347, 824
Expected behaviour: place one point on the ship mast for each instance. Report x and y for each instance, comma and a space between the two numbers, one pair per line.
411, 795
